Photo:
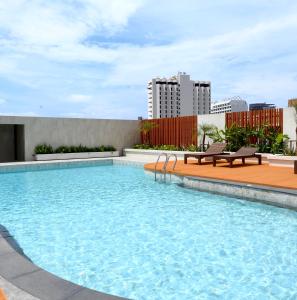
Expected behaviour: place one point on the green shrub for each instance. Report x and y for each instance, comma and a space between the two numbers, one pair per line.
48, 149
192, 148
266, 138
43, 149
167, 148
142, 146
63, 149
109, 148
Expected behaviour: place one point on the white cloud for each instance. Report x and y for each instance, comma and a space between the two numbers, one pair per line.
79, 98
37, 22
54, 46
20, 114
204, 56
264, 84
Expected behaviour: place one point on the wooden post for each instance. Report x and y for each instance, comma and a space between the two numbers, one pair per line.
295, 167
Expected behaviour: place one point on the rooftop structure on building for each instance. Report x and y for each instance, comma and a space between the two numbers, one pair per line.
261, 106
232, 104
292, 102
178, 96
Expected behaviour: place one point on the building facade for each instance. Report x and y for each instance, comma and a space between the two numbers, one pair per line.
292, 102
233, 104
178, 96
261, 106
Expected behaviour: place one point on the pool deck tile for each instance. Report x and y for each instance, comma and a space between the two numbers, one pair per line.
5, 246
90, 295
251, 173
13, 264
45, 285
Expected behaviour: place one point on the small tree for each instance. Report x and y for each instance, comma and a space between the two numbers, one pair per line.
145, 129
204, 130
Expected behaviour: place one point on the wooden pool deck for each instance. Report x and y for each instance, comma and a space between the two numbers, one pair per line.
251, 173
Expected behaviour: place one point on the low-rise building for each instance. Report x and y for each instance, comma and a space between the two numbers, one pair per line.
261, 106
292, 102
233, 104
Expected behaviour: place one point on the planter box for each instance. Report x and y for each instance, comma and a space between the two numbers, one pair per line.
80, 155
152, 155
282, 161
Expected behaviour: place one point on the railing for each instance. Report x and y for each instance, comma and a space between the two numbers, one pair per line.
163, 169
164, 165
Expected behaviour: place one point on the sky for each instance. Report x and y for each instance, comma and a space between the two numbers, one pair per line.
93, 58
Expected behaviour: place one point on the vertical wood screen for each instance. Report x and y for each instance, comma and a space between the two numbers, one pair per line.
181, 131
256, 118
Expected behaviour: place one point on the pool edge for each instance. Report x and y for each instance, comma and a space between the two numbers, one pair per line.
280, 197
20, 271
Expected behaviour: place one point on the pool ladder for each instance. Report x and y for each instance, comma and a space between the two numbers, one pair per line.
164, 168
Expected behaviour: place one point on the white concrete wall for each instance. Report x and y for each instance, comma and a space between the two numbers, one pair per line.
63, 131
289, 125
218, 120
186, 95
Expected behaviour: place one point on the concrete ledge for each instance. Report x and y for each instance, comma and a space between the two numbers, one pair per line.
54, 164
80, 155
282, 161
22, 273
285, 198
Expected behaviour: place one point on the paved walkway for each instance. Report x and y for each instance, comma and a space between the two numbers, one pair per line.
279, 177
14, 293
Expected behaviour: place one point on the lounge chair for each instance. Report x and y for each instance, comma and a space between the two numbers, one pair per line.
242, 153
214, 149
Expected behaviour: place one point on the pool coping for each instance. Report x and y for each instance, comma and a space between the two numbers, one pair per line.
53, 164
19, 270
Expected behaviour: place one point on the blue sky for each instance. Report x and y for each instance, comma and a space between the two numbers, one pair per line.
93, 58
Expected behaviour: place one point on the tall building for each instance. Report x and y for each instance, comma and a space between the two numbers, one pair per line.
178, 96
292, 102
261, 106
233, 104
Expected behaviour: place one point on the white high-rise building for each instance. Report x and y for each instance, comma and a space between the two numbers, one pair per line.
178, 96
233, 104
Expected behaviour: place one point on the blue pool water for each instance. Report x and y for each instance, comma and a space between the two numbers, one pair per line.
114, 229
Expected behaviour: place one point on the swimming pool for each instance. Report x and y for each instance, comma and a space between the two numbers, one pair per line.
114, 229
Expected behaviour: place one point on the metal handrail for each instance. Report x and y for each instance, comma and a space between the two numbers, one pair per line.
174, 164
164, 165
175, 160
164, 168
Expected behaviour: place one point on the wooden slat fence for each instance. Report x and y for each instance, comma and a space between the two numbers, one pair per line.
180, 131
256, 118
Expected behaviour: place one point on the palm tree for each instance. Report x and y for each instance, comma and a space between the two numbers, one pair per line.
204, 130
145, 129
